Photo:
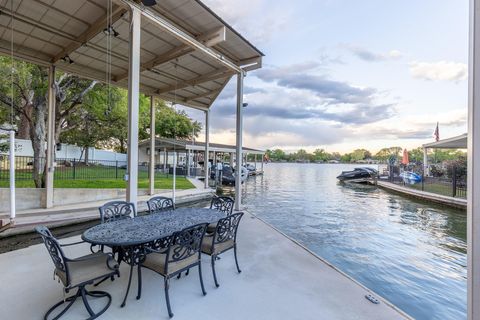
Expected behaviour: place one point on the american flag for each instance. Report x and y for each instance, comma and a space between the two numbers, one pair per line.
436, 133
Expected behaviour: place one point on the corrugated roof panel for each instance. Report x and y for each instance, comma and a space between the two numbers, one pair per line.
45, 29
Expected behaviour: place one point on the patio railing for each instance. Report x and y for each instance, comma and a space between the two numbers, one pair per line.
450, 182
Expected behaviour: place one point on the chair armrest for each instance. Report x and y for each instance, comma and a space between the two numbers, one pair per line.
150, 250
109, 258
71, 244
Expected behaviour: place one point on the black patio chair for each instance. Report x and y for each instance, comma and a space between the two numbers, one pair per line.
78, 273
159, 204
223, 204
222, 239
116, 210
182, 253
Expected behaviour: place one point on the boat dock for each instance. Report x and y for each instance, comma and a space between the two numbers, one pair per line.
423, 195
280, 279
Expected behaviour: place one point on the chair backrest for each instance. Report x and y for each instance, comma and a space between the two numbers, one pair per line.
55, 250
185, 244
158, 204
226, 229
116, 210
223, 204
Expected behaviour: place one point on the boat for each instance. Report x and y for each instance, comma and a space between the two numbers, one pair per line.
358, 175
411, 177
228, 175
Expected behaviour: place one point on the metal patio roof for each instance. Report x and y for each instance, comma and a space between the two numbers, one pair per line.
57, 31
181, 145
458, 142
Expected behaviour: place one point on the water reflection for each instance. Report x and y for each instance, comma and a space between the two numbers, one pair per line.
411, 252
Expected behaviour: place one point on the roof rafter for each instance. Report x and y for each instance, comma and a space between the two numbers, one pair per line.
214, 75
209, 39
97, 27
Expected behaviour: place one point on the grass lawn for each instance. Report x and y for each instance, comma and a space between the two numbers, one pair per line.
437, 188
162, 183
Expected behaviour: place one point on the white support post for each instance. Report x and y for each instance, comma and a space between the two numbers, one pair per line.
12, 177
188, 162
165, 159
239, 151
231, 159
207, 147
263, 160
425, 162
50, 157
152, 147
473, 176
133, 105
255, 159
174, 176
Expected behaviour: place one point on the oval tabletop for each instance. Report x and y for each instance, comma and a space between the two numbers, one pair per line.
143, 229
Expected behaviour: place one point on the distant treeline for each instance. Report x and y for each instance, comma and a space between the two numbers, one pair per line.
320, 155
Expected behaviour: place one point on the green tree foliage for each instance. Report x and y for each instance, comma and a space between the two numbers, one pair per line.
416, 155
171, 123
84, 116
321, 155
385, 153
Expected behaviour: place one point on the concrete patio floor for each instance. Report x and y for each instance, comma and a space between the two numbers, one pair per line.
279, 280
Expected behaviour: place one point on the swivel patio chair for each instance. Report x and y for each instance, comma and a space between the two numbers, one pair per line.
222, 239
159, 204
116, 210
78, 273
182, 253
223, 204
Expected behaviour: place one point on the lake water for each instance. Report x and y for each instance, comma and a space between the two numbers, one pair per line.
410, 252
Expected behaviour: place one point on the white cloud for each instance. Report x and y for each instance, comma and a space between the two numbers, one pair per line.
370, 56
441, 70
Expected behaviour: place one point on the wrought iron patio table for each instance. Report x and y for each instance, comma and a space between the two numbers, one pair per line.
131, 236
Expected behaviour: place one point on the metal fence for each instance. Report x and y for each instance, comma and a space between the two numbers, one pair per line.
75, 169
450, 182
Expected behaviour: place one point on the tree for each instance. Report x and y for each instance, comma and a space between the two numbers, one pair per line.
172, 123
29, 102
385, 153
359, 154
321, 155
301, 155
416, 155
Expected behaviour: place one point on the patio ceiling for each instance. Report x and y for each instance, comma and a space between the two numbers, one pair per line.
190, 67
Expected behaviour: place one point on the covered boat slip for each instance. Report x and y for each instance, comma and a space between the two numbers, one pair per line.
191, 154
178, 51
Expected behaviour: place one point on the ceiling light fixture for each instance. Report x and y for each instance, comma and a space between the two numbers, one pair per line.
109, 31
149, 3
67, 59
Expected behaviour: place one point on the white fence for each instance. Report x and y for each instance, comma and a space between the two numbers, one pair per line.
67, 151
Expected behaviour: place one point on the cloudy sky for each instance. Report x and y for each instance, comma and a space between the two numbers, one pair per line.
346, 74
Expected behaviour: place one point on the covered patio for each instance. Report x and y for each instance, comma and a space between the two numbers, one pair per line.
182, 53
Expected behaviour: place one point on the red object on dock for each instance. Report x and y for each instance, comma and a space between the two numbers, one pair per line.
405, 159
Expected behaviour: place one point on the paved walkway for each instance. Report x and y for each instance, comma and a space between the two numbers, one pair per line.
280, 280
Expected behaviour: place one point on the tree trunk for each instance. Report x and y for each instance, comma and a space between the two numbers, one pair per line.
24, 127
86, 155
38, 138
